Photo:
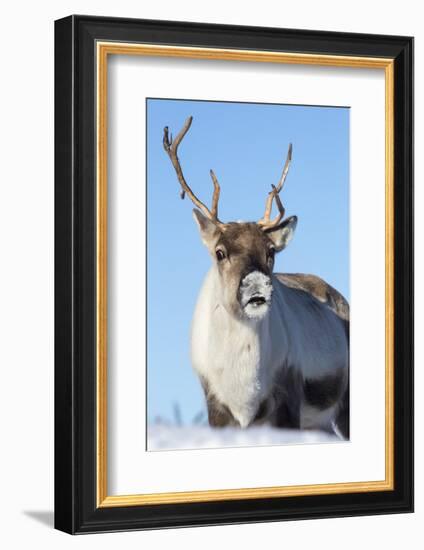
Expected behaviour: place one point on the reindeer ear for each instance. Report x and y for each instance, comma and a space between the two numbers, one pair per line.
209, 231
283, 233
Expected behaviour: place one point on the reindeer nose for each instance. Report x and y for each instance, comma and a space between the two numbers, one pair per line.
255, 281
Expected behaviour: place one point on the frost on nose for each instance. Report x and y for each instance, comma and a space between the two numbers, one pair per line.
256, 280
255, 290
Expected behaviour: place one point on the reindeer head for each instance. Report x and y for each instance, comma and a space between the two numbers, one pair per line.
243, 253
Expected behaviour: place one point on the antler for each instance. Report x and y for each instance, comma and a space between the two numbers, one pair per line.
265, 222
171, 147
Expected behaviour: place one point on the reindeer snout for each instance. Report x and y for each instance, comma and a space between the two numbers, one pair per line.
255, 290
256, 280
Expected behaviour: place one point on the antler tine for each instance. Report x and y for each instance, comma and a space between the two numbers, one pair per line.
171, 147
265, 221
216, 192
285, 169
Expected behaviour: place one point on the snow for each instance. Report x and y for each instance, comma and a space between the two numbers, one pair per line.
171, 437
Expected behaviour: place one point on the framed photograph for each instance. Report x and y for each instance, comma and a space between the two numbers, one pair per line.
234, 274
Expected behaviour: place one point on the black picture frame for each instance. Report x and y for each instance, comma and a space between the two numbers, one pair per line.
76, 509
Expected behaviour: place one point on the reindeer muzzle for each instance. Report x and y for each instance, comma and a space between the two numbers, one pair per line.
255, 293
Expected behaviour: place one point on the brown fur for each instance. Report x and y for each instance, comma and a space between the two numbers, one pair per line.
319, 289
219, 415
246, 247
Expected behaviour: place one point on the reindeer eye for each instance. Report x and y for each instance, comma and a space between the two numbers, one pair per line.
220, 255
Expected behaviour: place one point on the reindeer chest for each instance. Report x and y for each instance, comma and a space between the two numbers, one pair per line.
236, 370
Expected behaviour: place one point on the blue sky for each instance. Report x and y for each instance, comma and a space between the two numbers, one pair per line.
246, 145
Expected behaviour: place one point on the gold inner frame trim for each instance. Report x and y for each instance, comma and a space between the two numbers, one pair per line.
104, 49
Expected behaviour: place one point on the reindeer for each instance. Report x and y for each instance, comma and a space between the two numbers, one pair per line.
267, 347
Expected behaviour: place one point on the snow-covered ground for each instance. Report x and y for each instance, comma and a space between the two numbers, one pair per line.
168, 437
